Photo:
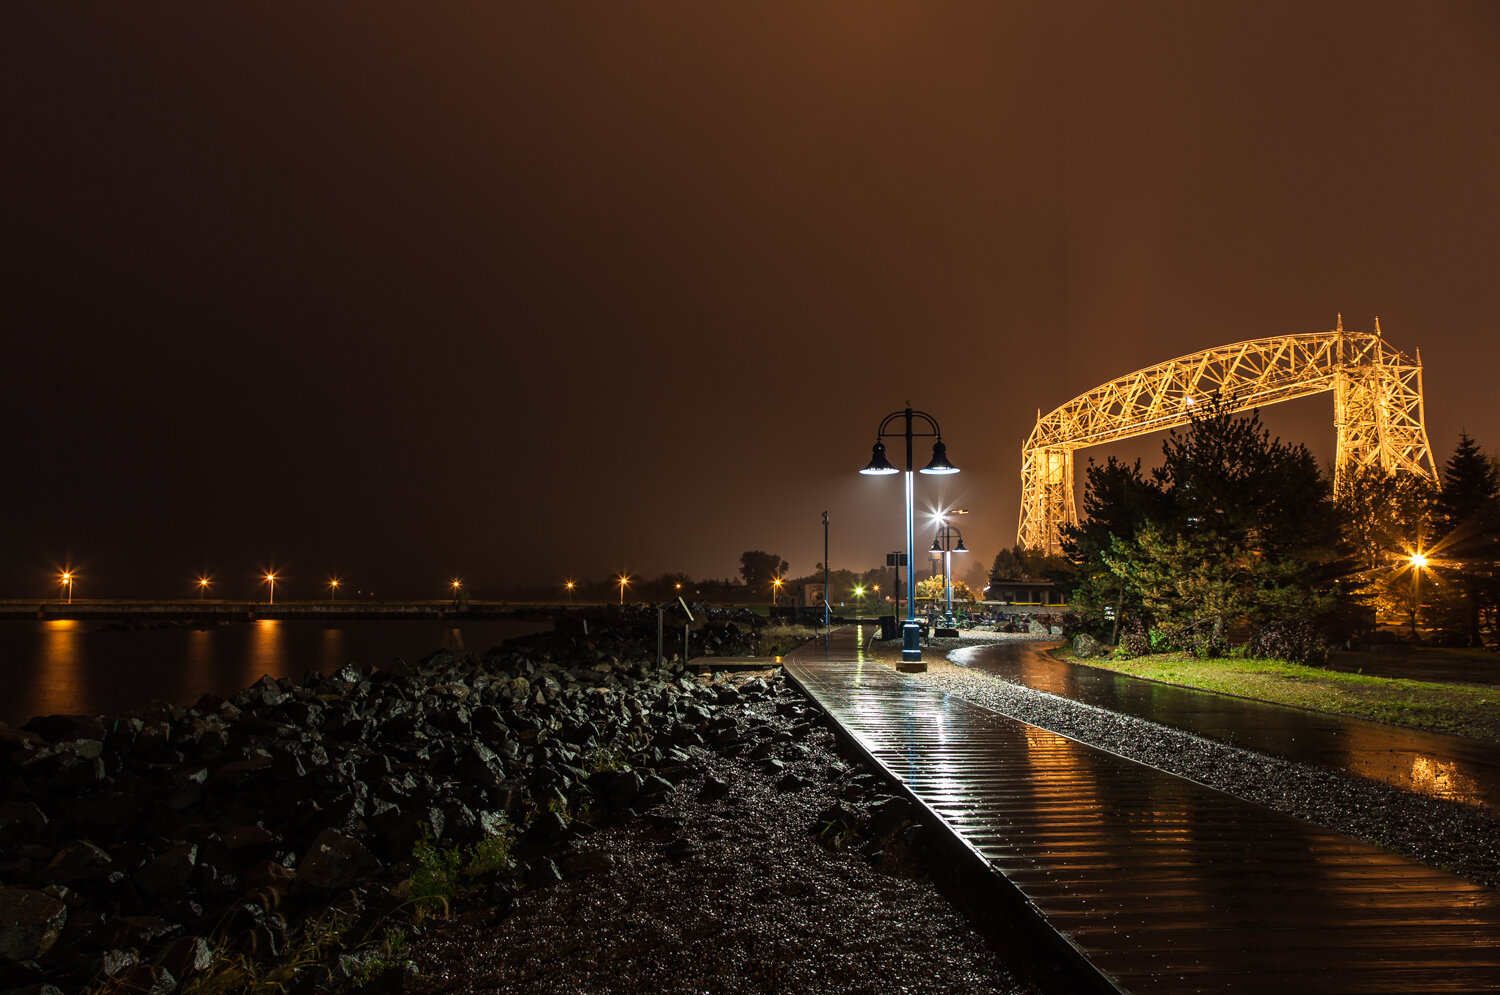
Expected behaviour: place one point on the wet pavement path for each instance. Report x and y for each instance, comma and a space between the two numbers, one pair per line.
1161, 884
1449, 767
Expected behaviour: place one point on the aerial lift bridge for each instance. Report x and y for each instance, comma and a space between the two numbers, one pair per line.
1377, 411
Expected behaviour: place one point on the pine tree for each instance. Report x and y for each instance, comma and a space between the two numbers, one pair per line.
1466, 533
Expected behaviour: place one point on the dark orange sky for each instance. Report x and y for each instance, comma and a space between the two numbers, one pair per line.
522, 291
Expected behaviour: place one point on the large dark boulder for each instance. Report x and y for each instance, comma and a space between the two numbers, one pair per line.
30, 922
166, 877
335, 861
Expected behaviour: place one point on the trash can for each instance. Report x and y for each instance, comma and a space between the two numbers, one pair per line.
888, 628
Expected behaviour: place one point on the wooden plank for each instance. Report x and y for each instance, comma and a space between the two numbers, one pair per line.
1163, 884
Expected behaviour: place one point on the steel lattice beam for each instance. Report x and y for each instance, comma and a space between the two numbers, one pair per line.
1377, 411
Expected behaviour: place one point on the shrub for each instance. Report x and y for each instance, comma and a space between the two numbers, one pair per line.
1134, 644
1297, 641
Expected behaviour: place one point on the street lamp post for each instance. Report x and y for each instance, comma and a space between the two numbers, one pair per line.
202, 586
775, 590
624, 579
67, 584
911, 641
943, 543
1417, 561
569, 586
333, 588
271, 580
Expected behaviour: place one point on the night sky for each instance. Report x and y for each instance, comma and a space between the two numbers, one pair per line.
520, 292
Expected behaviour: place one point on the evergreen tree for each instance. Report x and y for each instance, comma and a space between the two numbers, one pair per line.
1386, 518
1466, 534
1234, 531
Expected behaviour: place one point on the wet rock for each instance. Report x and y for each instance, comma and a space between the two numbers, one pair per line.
334, 861
549, 826
57, 728
77, 860
542, 873
887, 815
713, 787
1086, 645
138, 932
167, 876
792, 782
30, 923
21, 820
622, 788
149, 979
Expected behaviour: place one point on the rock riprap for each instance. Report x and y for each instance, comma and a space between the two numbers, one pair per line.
140, 850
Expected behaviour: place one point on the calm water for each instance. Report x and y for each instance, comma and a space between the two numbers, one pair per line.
65, 667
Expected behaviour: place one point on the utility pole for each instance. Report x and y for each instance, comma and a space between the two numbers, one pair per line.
825, 570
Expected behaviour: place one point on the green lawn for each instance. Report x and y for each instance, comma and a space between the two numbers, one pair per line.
1453, 708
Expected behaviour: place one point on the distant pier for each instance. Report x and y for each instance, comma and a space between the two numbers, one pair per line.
194, 610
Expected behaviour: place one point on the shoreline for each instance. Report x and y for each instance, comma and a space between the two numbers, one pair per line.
313, 835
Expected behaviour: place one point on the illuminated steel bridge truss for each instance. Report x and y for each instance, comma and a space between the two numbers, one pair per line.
1377, 411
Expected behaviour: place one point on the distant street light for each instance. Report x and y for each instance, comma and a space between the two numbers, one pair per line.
943, 543
569, 586
624, 579
1418, 562
911, 633
202, 586
333, 588
66, 581
271, 580
775, 590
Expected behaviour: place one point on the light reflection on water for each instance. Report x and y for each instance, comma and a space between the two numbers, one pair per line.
1448, 767
73, 667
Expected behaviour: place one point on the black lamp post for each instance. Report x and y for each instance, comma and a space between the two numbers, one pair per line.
911, 641
948, 541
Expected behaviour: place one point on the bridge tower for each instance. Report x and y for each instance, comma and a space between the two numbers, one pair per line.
1378, 416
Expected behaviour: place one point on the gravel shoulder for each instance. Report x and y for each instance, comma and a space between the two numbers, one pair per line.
742, 880
1449, 835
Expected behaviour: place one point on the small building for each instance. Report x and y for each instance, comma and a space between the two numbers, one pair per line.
1022, 592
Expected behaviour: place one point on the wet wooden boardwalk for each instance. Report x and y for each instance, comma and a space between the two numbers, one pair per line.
1160, 883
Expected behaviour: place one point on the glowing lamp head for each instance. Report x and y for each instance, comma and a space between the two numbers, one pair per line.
879, 466
1417, 560
939, 463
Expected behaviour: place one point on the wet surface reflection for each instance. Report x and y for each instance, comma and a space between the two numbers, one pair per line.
1448, 767
1164, 884
73, 667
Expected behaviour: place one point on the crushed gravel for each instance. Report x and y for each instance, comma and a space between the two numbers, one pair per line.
1450, 835
728, 886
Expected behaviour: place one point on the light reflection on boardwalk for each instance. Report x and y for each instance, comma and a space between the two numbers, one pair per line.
1164, 885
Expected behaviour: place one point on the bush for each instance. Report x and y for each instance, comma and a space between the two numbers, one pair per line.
1207, 644
1297, 641
1133, 644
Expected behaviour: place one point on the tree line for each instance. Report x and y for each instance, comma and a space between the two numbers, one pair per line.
1238, 539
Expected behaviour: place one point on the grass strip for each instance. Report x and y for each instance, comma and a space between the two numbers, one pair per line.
1460, 709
